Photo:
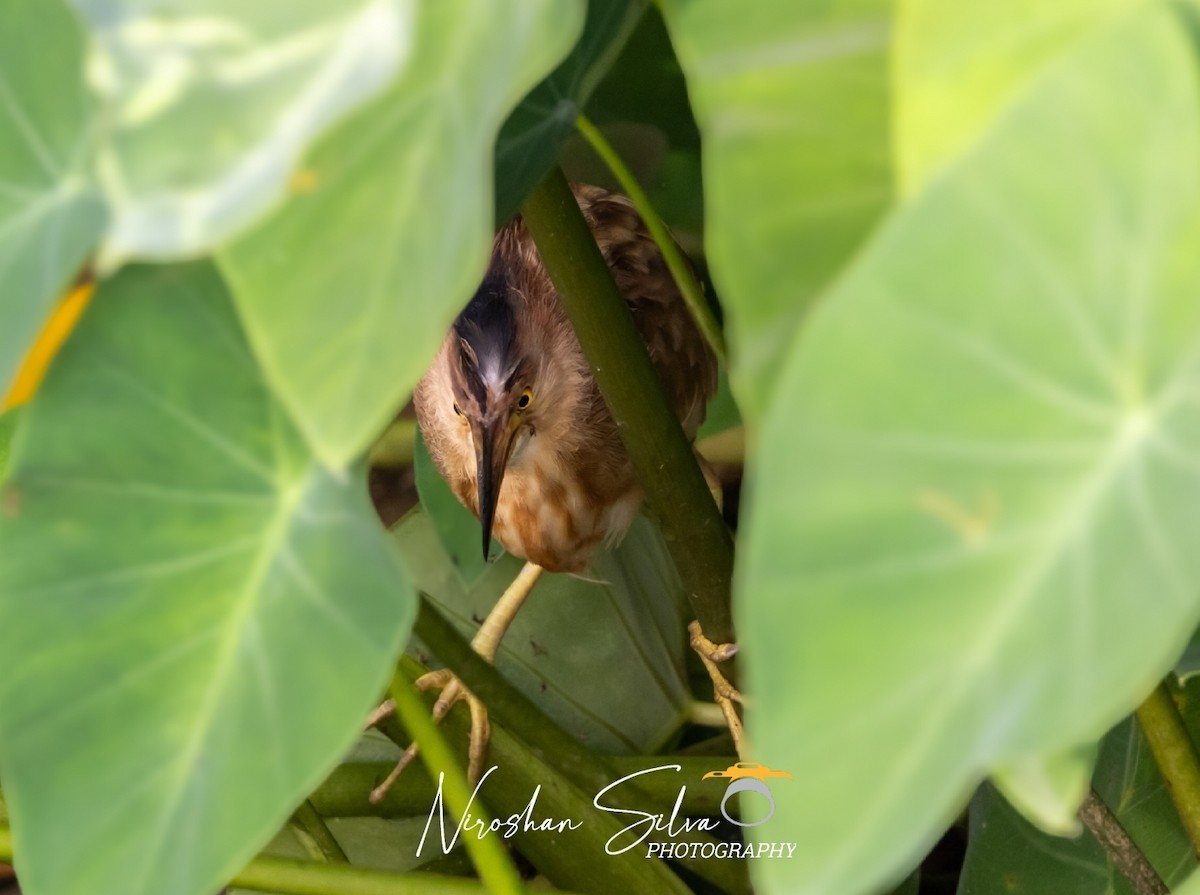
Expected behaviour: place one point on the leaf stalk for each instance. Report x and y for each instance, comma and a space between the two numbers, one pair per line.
1176, 756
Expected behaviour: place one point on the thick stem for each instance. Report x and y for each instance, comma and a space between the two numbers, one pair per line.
1121, 850
1175, 754
675, 488
318, 841
681, 270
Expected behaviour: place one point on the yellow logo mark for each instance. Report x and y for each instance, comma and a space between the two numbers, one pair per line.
747, 769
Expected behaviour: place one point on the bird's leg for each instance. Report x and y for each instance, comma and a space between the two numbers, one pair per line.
485, 642
724, 693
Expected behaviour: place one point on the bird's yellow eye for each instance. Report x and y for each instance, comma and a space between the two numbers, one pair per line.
525, 400
457, 409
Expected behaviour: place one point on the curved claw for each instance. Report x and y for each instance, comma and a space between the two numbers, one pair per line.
453, 690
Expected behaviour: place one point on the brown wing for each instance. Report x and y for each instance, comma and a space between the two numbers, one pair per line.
685, 362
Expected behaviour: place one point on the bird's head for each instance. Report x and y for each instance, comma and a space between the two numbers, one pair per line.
493, 370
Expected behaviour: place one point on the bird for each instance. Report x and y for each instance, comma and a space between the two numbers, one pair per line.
516, 424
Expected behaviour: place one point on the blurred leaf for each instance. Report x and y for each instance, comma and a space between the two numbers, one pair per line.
792, 103
960, 66
8, 428
993, 541
457, 528
1191, 887
208, 107
347, 290
578, 648
50, 215
529, 142
179, 577
1049, 788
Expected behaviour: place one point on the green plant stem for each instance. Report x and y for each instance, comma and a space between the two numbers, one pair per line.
681, 269
1175, 754
321, 844
291, 877
675, 488
490, 859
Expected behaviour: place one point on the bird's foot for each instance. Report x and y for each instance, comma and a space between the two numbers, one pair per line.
725, 694
453, 690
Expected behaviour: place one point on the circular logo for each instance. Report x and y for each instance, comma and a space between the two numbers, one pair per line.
748, 784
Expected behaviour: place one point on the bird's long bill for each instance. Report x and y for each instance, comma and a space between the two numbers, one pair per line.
491, 453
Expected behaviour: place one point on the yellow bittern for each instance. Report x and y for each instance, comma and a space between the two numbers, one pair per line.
516, 424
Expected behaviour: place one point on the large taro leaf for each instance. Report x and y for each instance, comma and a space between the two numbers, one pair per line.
199, 611
578, 648
529, 142
968, 538
960, 65
347, 290
50, 216
208, 106
792, 103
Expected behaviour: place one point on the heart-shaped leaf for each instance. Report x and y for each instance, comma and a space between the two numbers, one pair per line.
348, 289
968, 540
179, 576
792, 105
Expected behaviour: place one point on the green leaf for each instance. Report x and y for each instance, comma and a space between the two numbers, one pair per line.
973, 498
1049, 788
8, 428
50, 216
792, 106
1006, 854
180, 577
348, 289
722, 413
529, 142
1191, 887
578, 647
1188, 665
960, 66
208, 107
